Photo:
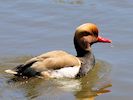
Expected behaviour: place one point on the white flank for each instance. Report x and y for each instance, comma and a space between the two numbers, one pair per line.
68, 72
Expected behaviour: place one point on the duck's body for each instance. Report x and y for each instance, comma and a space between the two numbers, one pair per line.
50, 65
59, 64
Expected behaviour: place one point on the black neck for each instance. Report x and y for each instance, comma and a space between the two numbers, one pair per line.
88, 61
83, 53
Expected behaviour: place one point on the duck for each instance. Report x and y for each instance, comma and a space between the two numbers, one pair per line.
61, 64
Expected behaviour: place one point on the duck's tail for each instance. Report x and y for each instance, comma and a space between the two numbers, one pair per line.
14, 71
23, 70
11, 71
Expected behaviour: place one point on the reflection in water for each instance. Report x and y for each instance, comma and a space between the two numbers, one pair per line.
88, 87
95, 83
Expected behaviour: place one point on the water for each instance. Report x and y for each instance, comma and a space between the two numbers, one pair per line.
29, 28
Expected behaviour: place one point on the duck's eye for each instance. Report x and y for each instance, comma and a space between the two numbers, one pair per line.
86, 33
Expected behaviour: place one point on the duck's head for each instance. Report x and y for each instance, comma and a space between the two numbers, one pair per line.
85, 36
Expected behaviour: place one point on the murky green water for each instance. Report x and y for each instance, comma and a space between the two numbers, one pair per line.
29, 28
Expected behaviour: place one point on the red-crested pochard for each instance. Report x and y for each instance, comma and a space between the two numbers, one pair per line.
59, 64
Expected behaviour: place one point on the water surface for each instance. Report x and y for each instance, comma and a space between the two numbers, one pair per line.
29, 28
